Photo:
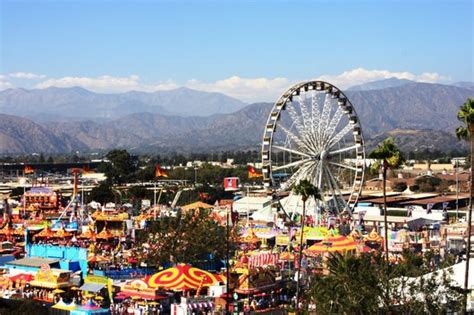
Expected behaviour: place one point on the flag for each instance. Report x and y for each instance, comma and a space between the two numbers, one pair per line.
253, 173
28, 169
159, 172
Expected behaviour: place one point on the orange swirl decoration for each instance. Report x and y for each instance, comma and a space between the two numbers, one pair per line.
183, 277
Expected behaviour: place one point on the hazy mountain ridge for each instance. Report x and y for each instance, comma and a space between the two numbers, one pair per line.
415, 106
69, 103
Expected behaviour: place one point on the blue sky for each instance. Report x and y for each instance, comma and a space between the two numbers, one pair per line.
248, 49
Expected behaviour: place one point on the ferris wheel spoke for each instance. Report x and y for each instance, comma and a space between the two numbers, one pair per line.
304, 113
336, 185
292, 164
344, 166
299, 174
340, 135
343, 150
333, 124
315, 113
330, 185
324, 121
293, 137
295, 117
301, 126
291, 151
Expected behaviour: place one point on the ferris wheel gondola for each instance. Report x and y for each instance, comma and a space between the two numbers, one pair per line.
314, 133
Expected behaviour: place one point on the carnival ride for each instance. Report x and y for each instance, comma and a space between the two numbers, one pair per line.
314, 133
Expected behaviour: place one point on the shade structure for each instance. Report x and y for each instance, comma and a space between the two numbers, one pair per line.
183, 277
26, 277
287, 256
61, 233
250, 238
104, 234
332, 244
45, 233
90, 234
197, 205
65, 307
373, 237
97, 258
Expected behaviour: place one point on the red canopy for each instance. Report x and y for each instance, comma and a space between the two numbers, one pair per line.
183, 277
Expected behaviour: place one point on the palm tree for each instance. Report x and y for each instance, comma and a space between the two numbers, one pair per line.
306, 190
466, 116
391, 157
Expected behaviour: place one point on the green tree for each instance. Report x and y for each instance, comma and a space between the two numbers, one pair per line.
367, 284
466, 117
121, 167
102, 194
306, 190
189, 237
390, 156
399, 187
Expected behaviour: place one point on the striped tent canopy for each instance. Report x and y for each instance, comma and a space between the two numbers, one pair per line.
332, 244
88, 234
46, 233
97, 258
373, 237
104, 234
183, 277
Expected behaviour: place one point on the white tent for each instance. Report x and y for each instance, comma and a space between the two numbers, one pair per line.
294, 204
251, 204
266, 214
457, 279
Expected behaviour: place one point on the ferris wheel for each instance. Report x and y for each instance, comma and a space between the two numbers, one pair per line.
313, 133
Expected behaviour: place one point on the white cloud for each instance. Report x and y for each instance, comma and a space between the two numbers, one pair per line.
4, 84
361, 75
245, 89
104, 83
26, 76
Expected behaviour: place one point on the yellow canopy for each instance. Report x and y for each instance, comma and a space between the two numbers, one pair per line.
197, 205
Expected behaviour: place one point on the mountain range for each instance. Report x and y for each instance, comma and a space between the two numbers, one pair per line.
76, 104
418, 115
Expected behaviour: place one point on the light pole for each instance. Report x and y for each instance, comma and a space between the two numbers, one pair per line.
195, 174
457, 190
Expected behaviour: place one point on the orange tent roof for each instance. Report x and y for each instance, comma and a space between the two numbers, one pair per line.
104, 234
88, 234
332, 244
61, 233
183, 277
197, 205
287, 256
97, 258
45, 233
250, 238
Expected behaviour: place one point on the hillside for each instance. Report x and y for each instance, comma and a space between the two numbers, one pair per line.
80, 104
425, 112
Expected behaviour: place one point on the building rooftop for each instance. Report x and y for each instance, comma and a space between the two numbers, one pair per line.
33, 261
